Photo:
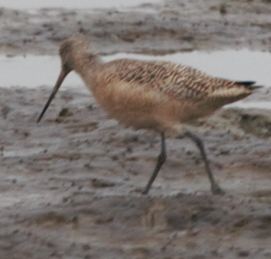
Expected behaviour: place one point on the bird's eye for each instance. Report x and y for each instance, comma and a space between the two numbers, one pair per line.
91, 56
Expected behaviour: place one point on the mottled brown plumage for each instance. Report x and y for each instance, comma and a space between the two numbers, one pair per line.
153, 95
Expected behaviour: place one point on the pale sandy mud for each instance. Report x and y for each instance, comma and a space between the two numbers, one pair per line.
68, 185
152, 28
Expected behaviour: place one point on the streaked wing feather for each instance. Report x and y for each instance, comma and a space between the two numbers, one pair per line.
178, 81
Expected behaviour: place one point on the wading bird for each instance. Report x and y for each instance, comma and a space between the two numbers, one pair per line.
154, 95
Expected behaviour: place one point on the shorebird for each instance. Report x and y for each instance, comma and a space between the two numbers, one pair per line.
154, 95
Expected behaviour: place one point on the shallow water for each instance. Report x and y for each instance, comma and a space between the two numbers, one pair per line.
79, 4
21, 152
34, 71
251, 105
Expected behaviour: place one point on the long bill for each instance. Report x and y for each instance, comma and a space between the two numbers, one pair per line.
59, 81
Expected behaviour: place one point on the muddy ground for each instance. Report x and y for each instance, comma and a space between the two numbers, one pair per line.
69, 185
159, 29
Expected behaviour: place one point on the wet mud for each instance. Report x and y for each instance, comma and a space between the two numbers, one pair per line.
163, 28
69, 184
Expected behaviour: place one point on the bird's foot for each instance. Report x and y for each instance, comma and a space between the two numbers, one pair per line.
145, 191
216, 190
141, 190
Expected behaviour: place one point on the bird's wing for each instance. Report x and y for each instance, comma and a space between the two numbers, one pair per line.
178, 81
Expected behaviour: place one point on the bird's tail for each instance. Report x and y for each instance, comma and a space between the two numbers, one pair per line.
250, 85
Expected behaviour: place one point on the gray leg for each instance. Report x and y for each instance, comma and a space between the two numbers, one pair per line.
214, 186
160, 161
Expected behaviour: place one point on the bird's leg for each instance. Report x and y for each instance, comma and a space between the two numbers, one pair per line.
214, 186
160, 161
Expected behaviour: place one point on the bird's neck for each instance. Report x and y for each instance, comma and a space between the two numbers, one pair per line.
88, 65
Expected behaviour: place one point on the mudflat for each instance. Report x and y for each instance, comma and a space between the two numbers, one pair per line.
69, 185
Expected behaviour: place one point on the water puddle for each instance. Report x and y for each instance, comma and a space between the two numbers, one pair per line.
34, 71
19, 152
70, 4
250, 105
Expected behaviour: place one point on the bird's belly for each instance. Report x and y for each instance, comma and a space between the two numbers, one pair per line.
145, 109
132, 107
138, 117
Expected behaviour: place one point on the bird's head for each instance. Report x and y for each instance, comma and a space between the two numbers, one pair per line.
70, 51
